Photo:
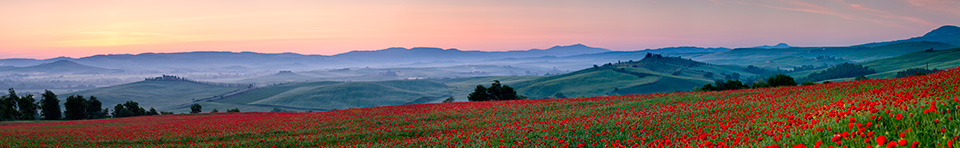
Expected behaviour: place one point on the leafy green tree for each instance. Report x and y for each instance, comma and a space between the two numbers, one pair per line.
93, 110
28, 108
781, 80
106, 112
844, 70
50, 106
507, 93
448, 100
8, 106
195, 108
214, 111
478, 94
496, 91
723, 85
760, 84
152, 112
708, 75
119, 111
915, 72
234, 110
75, 108
134, 108
559, 95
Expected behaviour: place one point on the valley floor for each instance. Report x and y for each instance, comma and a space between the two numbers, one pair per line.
906, 112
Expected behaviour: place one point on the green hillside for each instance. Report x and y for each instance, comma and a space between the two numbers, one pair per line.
60, 67
940, 59
157, 94
461, 87
281, 77
653, 74
797, 56
607, 81
338, 95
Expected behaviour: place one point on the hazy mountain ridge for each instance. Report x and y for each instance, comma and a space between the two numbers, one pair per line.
949, 34
60, 67
780, 45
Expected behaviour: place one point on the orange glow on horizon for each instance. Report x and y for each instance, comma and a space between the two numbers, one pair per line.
46, 29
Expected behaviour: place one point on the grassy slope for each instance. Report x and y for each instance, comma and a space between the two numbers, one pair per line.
940, 59
266, 92
153, 93
357, 94
584, 84
607, 81
280, 78
749, 56
888, 68
461, 87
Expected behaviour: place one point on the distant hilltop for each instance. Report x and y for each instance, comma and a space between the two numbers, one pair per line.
167, 78
182, 79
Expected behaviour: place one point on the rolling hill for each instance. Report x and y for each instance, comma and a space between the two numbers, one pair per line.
60, 67
945, 34
328, 95
652, 74
798, 56
888, 67
358, 94
157, 94
281, 77
939, 59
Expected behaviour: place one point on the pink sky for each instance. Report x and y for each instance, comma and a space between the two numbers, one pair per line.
52, 28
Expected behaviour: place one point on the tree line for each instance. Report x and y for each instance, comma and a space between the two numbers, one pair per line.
75, 107
495, 92
774, 81
844, 70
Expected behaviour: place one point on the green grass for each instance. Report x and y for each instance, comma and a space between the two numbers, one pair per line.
586, 84
280, 78
940, 59
461, 87
266, 92
608, 81
749, 56
157, 94
222, 107
888, 68
357, 94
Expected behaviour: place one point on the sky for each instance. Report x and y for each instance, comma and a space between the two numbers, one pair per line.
71, 28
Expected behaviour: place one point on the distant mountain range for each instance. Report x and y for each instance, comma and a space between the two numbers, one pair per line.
392, 57
946, 34
781, 45
267, 61
60, 67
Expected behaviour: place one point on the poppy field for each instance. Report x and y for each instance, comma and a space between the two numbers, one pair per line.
918, 111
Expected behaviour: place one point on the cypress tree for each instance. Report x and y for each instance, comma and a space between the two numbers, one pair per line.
93, 109
50, 106
8, 106
75, 108
28, 108
134, 108
478, 94
119, 111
